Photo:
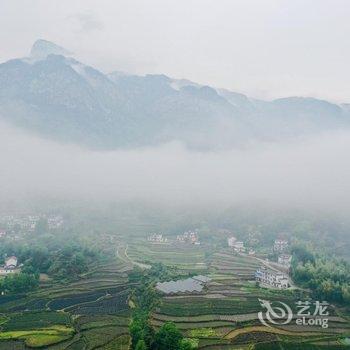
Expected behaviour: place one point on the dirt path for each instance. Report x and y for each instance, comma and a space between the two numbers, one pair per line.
126, 258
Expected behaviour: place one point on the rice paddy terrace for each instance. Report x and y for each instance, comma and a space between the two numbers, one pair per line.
225, 314
94, 312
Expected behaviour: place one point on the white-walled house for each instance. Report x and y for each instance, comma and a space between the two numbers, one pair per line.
231, 241
285, 260
280, 245
10, 266
11, 261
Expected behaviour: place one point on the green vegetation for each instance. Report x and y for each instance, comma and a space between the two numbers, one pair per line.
327, 277
277, 345
19, 283
142, 333
99, 298
203, 333
64, 256
39, 337
34, 320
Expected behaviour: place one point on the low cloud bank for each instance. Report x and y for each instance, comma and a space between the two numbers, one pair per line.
313, 173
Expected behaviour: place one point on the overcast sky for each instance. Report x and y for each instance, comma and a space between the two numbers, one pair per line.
266, 48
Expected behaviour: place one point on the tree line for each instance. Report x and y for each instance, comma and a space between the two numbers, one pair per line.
63, 257
327, 277
145, 298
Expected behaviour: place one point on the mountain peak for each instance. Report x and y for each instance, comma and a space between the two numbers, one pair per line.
42, 48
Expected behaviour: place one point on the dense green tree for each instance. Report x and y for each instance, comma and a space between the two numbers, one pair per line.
136, 332
168, 337
141, 345
19, 283
327, 277
186, 345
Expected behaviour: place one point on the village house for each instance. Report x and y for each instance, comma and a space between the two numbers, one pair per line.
285, 260
10, 266
280, 245
157, 238
238, 246
11, 261
2, 233
189, 237
54, 221
231, 241
270, 278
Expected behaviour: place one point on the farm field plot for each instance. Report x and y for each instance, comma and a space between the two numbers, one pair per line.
36, 329
108, 305
189, 257
91, 313
225, 315
239, 266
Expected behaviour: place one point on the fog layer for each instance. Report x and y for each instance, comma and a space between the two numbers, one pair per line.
311, 173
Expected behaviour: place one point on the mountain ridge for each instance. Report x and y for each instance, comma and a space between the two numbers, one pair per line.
58, 97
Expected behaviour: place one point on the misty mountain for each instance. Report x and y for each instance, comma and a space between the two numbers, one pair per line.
55, 96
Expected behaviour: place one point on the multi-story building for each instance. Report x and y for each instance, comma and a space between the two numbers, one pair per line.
231, 241
271, 278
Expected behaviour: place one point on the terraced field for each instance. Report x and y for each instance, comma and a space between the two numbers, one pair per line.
92, 313
225, 315
186, 257
240, 267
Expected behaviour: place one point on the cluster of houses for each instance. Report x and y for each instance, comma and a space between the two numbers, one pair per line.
54, 221
190, 237
238, 246
10, 266
268, 277
157, 238
273, 277
28, 223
